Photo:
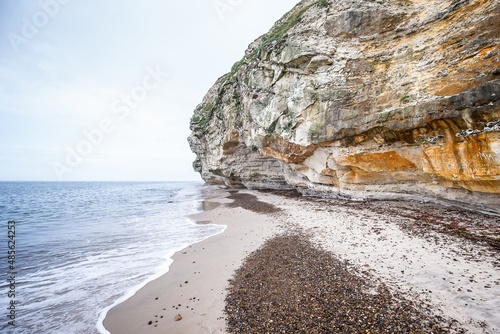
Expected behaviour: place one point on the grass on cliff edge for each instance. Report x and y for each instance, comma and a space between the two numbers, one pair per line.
277, 34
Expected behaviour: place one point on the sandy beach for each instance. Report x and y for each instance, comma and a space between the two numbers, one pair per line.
195, 285
441, 260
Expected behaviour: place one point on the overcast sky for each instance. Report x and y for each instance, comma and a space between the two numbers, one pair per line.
96, 90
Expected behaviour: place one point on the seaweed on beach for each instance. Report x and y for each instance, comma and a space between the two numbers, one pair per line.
290, 286
420, 218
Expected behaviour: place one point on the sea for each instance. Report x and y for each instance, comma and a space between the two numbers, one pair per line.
82, 247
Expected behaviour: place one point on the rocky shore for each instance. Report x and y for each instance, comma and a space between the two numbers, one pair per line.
293, 264
291, 286
323, 277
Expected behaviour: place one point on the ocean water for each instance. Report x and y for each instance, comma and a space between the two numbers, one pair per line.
81, 247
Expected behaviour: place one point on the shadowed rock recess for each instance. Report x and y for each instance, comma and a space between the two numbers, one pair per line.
363, 99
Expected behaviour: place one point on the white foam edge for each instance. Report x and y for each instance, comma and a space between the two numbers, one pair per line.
102, 315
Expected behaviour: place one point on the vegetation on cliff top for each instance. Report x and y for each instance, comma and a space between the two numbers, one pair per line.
278, 33
275, 37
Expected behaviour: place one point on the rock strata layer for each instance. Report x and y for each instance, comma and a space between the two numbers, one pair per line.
363, 99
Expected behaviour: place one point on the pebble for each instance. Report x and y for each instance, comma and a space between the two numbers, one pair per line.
290, 286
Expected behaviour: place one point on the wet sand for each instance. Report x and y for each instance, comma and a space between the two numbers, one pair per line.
195, 285
442, 261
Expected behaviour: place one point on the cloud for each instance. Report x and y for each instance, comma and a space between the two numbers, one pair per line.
67, 79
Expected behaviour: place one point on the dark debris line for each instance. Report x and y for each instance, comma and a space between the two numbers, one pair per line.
252, 203
289, 286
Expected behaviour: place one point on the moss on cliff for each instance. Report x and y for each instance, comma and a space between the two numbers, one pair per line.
275, 36
367, 77
278, 33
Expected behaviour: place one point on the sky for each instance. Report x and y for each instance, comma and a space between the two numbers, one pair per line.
103, 90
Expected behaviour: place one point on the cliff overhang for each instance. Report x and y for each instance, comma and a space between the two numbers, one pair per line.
363, 99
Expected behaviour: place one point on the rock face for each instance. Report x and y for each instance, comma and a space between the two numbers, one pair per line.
363, 99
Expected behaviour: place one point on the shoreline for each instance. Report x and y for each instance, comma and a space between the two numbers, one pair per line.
104, 312
197, 278
394, 243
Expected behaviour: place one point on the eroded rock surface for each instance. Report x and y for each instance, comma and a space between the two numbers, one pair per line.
363, 99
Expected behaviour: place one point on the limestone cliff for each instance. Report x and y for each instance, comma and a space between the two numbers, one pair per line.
363, 99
